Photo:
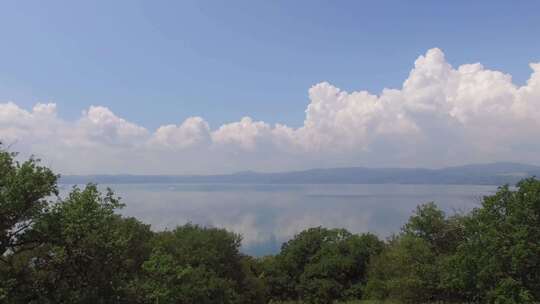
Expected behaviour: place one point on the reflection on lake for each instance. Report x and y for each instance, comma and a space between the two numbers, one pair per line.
267, 215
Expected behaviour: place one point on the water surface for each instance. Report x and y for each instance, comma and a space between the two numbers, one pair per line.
266, 215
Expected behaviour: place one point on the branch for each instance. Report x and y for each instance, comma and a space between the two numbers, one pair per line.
23, 227
2, 259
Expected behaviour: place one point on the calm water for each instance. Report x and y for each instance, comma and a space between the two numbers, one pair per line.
267, 215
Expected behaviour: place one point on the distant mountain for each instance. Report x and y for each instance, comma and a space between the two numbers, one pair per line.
478, 174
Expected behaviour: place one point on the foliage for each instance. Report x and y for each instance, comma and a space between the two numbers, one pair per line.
321, 265
499, 262
405, 271
192, 264
24, 189
78, 249
411, 267
90, 253
429, 223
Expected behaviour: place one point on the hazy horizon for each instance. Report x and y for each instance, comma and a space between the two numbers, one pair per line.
314, 169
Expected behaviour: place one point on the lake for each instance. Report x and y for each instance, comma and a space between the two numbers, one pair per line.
267, 214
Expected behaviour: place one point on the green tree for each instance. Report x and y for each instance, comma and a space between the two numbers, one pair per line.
91, 253
24, 191
412, 266
406, 271
431, 224
500, 260
321, 265
192, 264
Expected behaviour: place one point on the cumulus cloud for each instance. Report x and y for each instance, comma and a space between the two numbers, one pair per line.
193, 131
101, 125
244, 133
441, 115
18, 124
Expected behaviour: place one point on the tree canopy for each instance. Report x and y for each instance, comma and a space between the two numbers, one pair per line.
79, 249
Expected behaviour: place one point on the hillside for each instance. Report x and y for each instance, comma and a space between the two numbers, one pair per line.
479, 174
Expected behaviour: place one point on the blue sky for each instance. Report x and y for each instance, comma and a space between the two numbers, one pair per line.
157, 62
224, 86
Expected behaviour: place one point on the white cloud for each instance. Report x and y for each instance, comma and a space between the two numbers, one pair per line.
442, 115
17, 124
193, 131
337, 120
101, 125
244, 133
527, 104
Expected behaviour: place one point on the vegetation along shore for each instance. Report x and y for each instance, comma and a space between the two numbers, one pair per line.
78, 249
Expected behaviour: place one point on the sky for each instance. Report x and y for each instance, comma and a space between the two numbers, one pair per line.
175, 87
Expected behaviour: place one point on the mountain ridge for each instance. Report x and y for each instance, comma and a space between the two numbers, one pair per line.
497, 173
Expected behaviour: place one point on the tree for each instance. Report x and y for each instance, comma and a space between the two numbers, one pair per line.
412, 266
91, 253
192, 264
24, 191
431, 224
25, 188
499, 261
338, 271
321, 265
405, 271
